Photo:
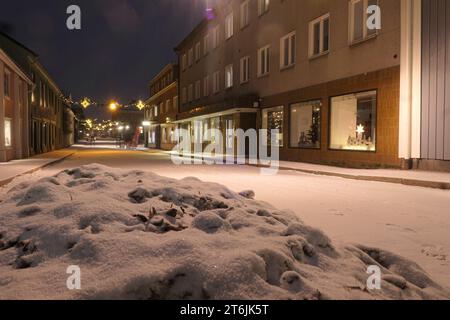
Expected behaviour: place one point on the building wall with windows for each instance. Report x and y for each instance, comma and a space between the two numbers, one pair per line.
13, 110
274, 56
44, 97
162, 109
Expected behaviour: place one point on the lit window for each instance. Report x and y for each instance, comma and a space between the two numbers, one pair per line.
229, 26
319, 36
273, 119
263, 61
216, 82
287, 56
263, 6
197, 90
245, 70
206, 86
229, 76
7, 83
191, 57
305, 125
245, 13
353, 122
358, 29
198, 51
8, 133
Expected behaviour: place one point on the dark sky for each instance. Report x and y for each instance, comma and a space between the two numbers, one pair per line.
121, 45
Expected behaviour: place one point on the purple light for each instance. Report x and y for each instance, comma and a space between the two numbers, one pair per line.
210, 14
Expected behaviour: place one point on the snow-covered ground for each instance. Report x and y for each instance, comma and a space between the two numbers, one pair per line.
137, 235
410, 221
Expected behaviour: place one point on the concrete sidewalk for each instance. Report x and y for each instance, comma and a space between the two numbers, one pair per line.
419, 178
15, 168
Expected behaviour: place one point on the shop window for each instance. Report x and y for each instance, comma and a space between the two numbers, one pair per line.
305, 125
8, 133
273, 119
353, 122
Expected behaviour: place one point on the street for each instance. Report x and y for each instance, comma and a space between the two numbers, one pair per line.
410, 221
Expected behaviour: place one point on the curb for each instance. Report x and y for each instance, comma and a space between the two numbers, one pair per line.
403, 181
6, 181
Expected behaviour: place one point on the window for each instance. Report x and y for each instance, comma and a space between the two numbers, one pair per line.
245, 69
206, 44
263, 61
197, 90
206, 86
263, 6
7, 83
245, 13
216, 34
358, 30
305, 125
229, 76
229, 26
8, 133
191, 57
183, 95
273, 119
167, 106
156, 110
319, 36
191, 93
287, 55
353, 122
175, 103
198, 51
184, 62
216, 82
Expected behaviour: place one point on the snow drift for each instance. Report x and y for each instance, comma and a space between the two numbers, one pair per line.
137, 235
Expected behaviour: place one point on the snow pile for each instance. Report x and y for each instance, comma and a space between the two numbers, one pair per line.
136, 235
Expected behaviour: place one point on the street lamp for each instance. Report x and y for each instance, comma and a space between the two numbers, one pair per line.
113, 106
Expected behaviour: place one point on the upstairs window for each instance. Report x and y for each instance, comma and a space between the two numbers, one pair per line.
206, 86
358, 29
229, 26
7, 83
245, 13
215, 35
183, 95
229, 76
263, 6
198, 51
216, 82
206, 41
197, 90
191, 57
287, 56
263, 61
319, 36
245, 70
190, 93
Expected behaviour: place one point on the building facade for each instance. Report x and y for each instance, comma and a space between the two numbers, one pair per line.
46, 112
162, 109
14, 129
314, 70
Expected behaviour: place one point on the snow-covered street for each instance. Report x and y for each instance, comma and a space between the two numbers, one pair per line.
410, 221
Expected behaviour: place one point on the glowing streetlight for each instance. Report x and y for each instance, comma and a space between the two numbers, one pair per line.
85, 103
113, 106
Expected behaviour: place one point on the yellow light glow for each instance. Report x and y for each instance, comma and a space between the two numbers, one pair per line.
140, 105
85, 103
113, 106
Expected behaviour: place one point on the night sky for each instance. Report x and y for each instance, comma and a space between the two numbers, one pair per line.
121, 46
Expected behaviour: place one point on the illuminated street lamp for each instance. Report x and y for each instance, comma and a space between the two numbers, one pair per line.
113, 106
140, 105
85, 103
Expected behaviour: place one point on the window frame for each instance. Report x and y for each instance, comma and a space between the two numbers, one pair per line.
330, 111
216, 82
321, 21
351, 23
244, 71
229, 26
198, 51
197, 90
206, 44
10, 121
292, 59
7, 83
279, 108
266, 64
245, 14
216, 36
229, 78
320, 128
263, 7
206, 86
191, 57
